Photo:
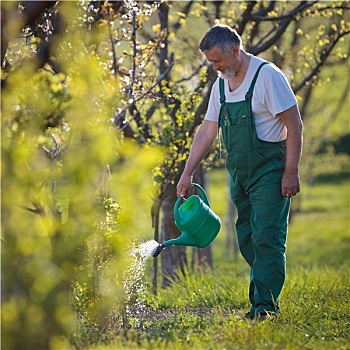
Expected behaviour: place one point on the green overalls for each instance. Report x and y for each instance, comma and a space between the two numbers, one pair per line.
256, 168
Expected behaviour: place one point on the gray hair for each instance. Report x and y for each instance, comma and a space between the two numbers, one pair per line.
222, 37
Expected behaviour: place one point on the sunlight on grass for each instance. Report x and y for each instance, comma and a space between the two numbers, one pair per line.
206, 310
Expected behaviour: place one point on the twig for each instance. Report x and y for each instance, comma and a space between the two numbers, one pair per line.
298, 9
133, 36
158, 80
322, 61
115, 61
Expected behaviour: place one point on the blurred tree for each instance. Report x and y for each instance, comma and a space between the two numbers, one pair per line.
63, 168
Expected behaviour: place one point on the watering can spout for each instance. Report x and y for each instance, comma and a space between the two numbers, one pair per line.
198, 223
184, 239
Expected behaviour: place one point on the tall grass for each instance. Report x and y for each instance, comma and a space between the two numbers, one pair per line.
205, 309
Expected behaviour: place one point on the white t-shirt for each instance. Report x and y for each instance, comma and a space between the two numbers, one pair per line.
272, 95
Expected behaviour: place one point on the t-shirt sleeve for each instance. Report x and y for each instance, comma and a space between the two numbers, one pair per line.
278, 96
214, 106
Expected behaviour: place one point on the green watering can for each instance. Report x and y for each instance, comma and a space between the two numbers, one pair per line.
198, 223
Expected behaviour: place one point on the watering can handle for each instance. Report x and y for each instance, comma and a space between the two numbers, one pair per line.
179, 200
176, 209
202, 193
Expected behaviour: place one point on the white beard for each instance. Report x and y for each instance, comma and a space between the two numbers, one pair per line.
230, 73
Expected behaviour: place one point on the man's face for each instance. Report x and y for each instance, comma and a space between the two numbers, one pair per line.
222, 63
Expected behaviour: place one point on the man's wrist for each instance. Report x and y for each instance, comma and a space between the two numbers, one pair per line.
292, 170
187, 173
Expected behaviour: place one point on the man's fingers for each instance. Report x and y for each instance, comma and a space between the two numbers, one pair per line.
289, 193
182, 190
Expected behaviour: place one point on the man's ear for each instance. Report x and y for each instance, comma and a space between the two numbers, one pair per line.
235, 50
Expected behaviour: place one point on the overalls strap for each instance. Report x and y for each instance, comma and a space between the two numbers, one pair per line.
222, 98
222, 91
249, 94
222, 102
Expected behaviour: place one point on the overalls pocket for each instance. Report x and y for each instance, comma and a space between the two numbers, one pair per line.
274, 155
238, 138
237, 131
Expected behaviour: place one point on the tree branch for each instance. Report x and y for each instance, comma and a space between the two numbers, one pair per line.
246, 16
204, 104
133, 38
195, 73
37, 208
12, 18
114, 53
186, 11
257, 49
322, 61
121, 115
303, 5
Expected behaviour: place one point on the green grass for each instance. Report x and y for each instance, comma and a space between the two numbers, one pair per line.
205, 310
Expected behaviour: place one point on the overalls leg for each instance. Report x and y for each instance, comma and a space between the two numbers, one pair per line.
244, 231
269, 220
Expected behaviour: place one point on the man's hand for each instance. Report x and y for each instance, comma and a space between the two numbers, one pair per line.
184, 185
290, 183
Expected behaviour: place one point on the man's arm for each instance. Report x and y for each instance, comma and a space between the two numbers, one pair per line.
200, 147
291, 180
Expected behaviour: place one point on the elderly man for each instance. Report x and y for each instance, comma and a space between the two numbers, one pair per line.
255, 109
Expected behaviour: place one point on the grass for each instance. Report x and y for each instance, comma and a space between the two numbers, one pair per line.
205, 310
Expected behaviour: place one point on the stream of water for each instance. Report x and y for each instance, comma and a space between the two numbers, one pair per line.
134, 281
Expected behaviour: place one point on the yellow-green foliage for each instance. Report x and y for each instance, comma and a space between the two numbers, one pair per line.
70, 194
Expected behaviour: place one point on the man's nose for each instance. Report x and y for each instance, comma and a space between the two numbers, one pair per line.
215, 66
